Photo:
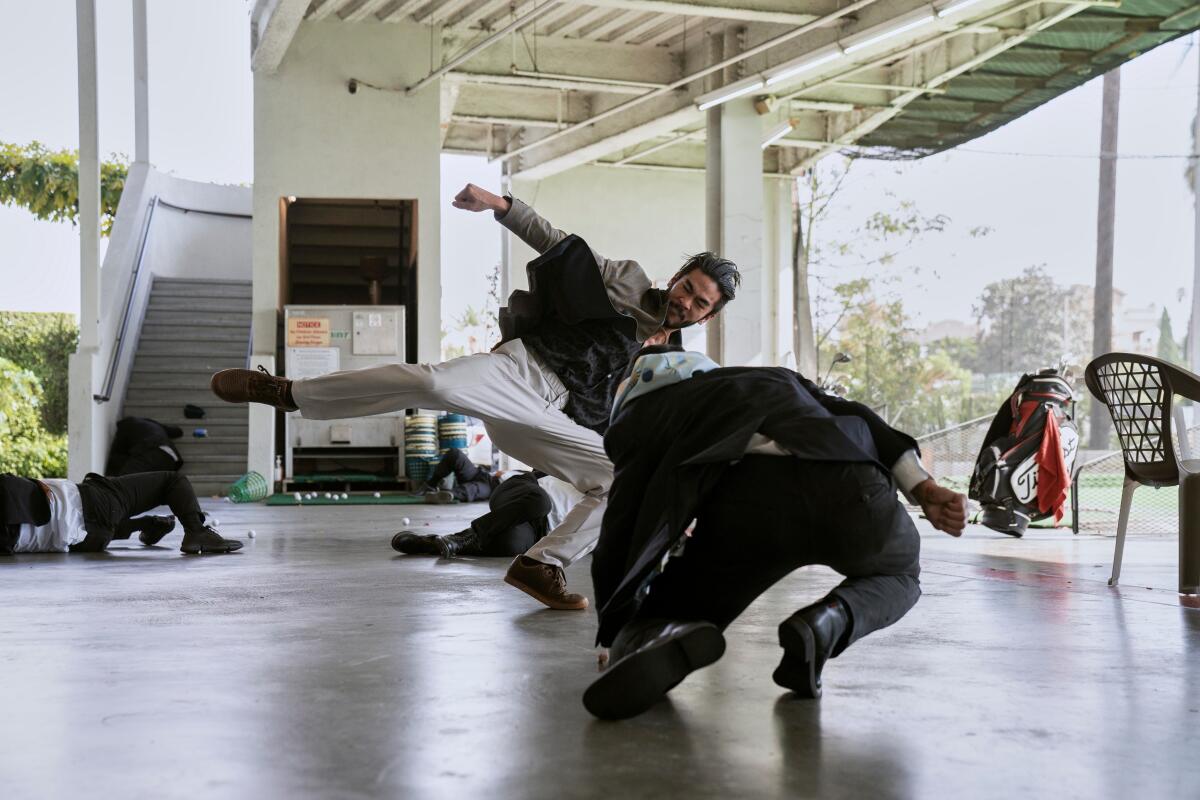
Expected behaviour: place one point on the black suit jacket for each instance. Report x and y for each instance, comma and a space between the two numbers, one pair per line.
21, 501
669, 449
135, 447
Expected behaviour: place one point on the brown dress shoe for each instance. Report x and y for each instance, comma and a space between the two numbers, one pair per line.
545, 583
248, 386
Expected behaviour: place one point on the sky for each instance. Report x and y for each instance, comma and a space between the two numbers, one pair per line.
1032, 183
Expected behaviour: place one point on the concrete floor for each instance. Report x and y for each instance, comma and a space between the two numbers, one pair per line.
318, 663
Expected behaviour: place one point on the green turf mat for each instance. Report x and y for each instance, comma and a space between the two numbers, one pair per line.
385, 499
342, 477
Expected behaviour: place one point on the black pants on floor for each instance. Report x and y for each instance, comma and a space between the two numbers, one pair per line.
770, 515
471, 482
110, 503
517, 520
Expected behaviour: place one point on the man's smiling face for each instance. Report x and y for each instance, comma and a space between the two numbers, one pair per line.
691, 298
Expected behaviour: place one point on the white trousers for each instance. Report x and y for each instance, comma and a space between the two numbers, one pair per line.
520, 404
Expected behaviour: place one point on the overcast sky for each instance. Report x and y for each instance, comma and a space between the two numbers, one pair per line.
1033, 182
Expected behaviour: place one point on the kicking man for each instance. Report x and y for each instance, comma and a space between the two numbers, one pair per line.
544, 393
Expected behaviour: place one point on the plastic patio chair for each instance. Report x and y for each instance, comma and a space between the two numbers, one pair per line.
1138, 391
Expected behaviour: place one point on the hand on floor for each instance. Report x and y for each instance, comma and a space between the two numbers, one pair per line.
945, 508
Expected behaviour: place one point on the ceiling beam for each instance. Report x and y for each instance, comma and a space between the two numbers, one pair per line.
274, 24
744, 10
551, 83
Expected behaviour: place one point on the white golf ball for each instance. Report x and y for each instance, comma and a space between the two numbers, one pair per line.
251, 534
345, 496
327, 495
377, 494
298, 497
405, 521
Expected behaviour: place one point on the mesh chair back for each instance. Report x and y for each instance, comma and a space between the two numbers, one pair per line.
1138, 390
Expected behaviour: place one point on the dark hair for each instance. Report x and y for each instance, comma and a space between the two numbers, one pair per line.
723, 271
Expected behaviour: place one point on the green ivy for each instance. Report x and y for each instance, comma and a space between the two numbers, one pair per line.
46, 182
26, 449
42, 342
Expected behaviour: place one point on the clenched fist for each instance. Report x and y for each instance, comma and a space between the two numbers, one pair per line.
945, 508
473, 198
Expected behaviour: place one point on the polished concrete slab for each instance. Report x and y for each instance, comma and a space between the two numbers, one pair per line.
318, 663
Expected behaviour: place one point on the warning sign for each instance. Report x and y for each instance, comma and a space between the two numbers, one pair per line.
308, 332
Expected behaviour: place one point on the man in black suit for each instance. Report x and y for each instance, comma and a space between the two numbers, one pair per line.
143, 445
776, 475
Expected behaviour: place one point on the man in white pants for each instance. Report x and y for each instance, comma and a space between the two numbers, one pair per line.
545, 392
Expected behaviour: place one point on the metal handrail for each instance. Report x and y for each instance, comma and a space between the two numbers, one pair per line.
113, 362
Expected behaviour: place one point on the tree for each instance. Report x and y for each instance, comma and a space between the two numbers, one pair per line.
46, 183
1021, 322
887, 370
1168, 348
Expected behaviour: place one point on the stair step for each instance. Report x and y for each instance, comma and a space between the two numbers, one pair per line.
188, 287
174, 303
216, 430
195, 364
208, 319
143, 380
155, 332
218, 412
224, 458
228, 349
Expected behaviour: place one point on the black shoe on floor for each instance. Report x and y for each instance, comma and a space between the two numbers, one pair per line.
416, 544
463, 543
207, 540
649, 659
154, 529
809, 637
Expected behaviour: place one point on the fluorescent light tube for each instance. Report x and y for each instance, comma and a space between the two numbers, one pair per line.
955, 7
778, 133
811, 61
727, 93
904, 27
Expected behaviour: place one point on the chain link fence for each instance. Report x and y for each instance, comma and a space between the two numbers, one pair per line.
950, 454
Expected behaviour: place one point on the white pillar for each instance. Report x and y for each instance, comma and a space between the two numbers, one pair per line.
734, 215
81, 433
141, 94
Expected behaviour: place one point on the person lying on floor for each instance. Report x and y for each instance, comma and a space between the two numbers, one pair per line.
471, 481
524, 507
143, 445
54, 515
777, 475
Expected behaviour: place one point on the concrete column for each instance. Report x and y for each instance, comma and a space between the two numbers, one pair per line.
141, 94
734, 216
81, 433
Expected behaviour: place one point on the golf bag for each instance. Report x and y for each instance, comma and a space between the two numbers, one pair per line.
1028, 455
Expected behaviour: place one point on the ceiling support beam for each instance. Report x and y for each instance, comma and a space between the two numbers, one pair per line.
273, 25
516, 24
555, 82
746, 12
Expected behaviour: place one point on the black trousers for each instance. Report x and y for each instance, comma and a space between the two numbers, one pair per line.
771, 515
471, 482
110, 503
517, 520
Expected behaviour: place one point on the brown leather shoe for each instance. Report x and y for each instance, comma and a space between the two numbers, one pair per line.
248, 386
545, 583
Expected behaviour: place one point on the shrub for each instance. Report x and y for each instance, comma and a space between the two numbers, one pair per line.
25, 448
42, 344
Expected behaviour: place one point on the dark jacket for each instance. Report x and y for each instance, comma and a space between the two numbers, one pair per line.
670, 448
136, 447
584, 315
21, 501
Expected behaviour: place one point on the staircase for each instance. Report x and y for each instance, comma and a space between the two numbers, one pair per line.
193, 328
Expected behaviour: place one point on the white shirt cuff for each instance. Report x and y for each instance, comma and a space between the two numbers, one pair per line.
908, 472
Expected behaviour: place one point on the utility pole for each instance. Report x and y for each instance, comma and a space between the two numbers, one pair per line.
1193, 334
1105, 228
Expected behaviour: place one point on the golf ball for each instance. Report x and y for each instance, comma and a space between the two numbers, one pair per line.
298, 497
327, 495
377, 494
405, 521
251, 534
345, 496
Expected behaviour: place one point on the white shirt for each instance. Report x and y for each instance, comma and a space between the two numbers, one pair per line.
65, 527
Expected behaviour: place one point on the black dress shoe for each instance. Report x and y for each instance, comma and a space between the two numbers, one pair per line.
648, 661
207, 540
463, 543
154, 529
416, 544
809, 637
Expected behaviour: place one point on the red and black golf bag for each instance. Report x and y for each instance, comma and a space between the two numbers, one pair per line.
1025, 467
